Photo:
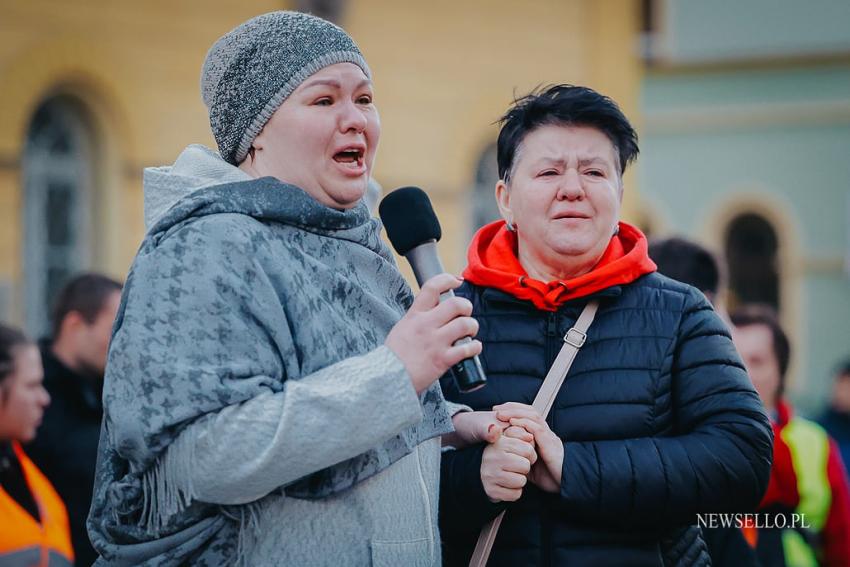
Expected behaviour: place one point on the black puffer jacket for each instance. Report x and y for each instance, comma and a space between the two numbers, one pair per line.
659, 422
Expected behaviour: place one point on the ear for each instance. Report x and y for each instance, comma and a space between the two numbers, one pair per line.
73, 320
503, 200
259, 142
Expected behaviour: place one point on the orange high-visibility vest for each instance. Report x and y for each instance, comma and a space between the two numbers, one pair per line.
23, 540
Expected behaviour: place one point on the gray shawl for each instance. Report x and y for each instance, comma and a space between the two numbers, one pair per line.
237, 289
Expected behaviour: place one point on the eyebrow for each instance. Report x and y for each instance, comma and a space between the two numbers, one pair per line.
333, 83
595, 159
582, 162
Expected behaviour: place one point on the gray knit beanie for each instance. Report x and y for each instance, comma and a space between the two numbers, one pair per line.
252, 69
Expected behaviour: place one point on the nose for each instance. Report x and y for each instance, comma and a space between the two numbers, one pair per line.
45, 398
352, 118
571, 188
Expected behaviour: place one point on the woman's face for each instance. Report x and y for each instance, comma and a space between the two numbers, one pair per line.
22, 396
563, 198
323, 137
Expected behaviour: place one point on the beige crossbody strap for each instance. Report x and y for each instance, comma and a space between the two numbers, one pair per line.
573, 341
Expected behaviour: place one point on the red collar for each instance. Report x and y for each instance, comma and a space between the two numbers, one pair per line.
493, 263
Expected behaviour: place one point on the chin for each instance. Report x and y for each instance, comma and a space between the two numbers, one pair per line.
567, 248
348, 197
578, 244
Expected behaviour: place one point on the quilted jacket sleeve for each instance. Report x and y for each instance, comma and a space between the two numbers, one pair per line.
464, 506
716, 460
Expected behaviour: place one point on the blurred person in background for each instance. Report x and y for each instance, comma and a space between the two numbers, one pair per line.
836, 419
271, 395
688, 262
33, 522
691, 263
656, 420
74, 360
807, 476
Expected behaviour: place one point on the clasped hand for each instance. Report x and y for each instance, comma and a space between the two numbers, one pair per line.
527, 450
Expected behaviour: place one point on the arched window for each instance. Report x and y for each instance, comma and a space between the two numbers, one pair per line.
57, 205
484, 208
752, 252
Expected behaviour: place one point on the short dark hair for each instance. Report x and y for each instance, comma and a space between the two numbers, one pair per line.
686, 261
84, 294
10, 338
760, 314
566, 105
843, 368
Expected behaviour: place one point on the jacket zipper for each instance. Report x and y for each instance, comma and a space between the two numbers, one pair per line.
552, 328
551, 331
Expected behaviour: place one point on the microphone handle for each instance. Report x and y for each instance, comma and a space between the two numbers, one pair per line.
468, 373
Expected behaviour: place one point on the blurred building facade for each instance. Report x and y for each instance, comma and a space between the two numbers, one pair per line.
94, 91
746, 147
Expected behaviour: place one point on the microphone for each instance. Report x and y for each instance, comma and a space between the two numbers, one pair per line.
413, 230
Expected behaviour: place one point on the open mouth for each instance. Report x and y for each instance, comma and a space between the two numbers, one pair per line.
351, 157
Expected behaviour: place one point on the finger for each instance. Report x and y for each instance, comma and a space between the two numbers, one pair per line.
532, 426
485, 427
458, 329
513, 405
500, 460
462, 351
513, 409
450, 309
520, 413
520, 448
516, 446
515, 464
494, 431
478, 426
506, 494
510, 480
429, 296
543, 436
517, 432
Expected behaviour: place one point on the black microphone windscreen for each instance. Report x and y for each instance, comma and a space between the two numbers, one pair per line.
409, 219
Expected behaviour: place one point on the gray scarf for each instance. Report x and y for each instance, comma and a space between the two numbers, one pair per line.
153, 391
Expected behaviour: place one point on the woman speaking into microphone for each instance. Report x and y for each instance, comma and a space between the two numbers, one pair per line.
270, 394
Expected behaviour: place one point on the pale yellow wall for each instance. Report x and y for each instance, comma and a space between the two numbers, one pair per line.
444, 71
135, 66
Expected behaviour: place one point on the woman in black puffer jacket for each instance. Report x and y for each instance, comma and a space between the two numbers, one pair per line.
656, 421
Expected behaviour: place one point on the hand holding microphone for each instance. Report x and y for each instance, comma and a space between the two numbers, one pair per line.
424, 339
435, 333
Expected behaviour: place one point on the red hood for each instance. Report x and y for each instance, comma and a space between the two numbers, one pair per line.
493, 263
